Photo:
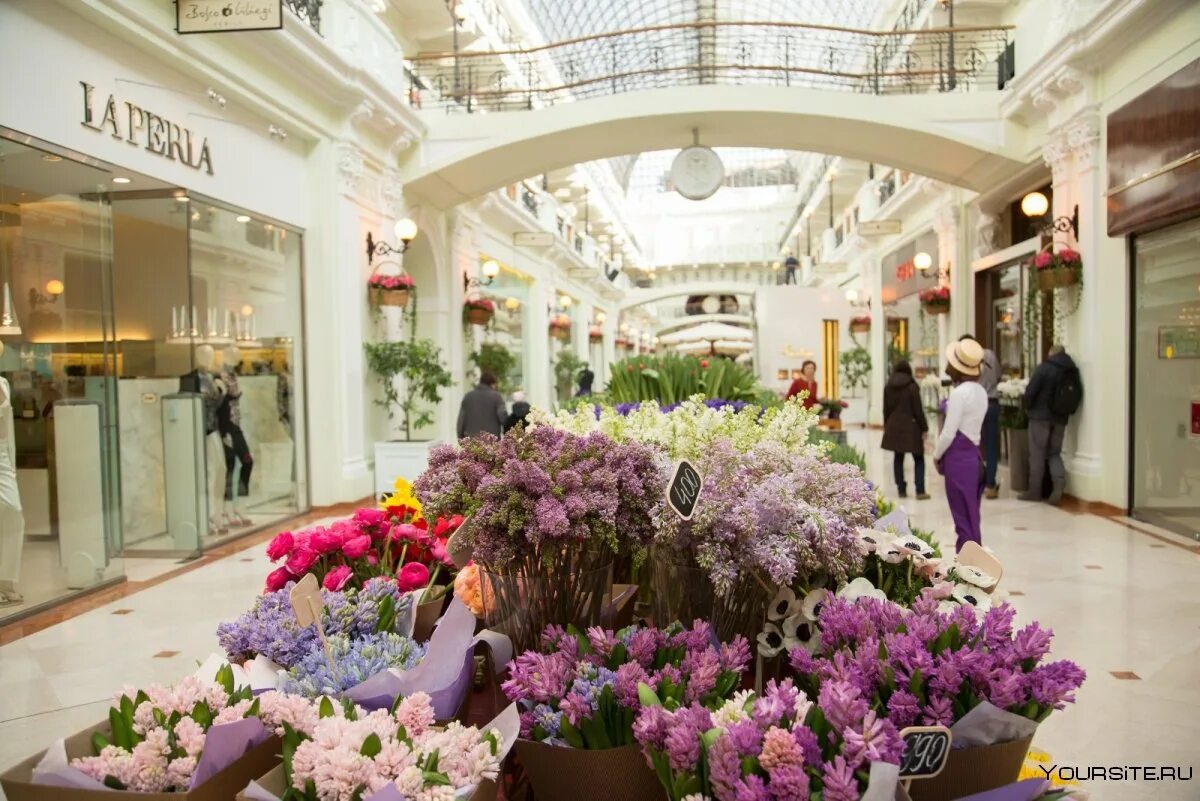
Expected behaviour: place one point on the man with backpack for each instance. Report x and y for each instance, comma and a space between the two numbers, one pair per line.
1054, 394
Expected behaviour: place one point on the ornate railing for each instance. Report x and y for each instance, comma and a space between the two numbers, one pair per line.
307, 10
731, 53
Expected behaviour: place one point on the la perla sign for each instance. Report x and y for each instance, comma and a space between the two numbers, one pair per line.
143, 128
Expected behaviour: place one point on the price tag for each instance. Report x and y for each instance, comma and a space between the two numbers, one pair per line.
684, 489
457, 547
926, 749
308, 604
973, 555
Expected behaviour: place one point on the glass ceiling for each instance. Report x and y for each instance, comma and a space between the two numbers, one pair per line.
560, 20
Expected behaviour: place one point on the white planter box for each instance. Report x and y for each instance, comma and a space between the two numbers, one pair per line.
399, 460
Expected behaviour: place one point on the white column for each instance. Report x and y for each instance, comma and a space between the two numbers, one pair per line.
579, 336
540, 373
946, 227
609, 342
1096, 342
873, 288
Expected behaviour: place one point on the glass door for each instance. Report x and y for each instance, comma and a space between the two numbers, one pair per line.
1165, 474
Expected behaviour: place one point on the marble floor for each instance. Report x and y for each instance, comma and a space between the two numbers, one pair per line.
1123, 603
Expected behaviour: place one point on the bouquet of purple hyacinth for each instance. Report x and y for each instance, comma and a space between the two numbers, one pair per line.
582, 690
269, 628
932, 668
780, 746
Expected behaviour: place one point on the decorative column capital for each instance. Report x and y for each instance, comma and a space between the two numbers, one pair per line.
1083, 136
391, 192
1057, 155
947, 218
351, 166
987, 234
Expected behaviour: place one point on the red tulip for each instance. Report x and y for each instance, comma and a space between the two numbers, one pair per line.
704, 363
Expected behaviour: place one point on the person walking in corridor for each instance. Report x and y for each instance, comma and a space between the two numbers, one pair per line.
904, 427
1053, 395
989, 379
957, 451
482, 410
790, 265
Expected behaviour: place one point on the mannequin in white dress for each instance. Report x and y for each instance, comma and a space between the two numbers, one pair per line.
12, 521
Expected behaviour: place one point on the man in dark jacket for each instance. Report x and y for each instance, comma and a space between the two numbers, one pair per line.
904, 427
482, 409
1048, 423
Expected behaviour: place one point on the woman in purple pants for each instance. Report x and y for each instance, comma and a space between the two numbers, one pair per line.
957, 453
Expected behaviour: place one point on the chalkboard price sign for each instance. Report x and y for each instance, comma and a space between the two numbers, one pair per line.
926, 749
684, 489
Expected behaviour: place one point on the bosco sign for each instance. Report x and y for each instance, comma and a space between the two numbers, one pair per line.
225, 16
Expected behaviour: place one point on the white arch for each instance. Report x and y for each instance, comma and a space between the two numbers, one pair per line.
640, 297
744, 320
958, 138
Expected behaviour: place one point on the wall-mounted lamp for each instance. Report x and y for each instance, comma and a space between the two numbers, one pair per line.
1035, 205
600, 318
490, 269
512, 304
406, 232
565, 301
54, 288
924, 262
852, 296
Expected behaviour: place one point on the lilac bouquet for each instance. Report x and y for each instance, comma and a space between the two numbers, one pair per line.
926, 667
269, 628
532, 493
780, 745
354, 661
158, 735
771, 517
582, 691
349, 754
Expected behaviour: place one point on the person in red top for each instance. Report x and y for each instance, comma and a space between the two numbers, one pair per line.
807, 382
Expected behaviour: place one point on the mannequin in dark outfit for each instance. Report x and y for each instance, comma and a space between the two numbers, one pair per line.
229, 422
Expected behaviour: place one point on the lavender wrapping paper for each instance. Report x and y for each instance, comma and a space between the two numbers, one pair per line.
897, 520
224, 745
988, 724
881, 784
1026, 790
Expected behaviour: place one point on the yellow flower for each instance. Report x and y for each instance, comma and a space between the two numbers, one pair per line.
403, 496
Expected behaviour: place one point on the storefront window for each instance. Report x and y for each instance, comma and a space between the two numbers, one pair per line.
1166, 421
58, 500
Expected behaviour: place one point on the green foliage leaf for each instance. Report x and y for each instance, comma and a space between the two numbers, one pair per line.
113, 782
371, 746
387, 615
436, 778
325, 708
647, 696
99, 742
202, 715
122, 734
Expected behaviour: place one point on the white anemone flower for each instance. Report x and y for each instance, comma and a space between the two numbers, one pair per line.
860, 588
970, 594
870, 540
734, 710
784, 605
799, 632
915, 545
946, 607
892, 553
975, 576
810, 607
770, 641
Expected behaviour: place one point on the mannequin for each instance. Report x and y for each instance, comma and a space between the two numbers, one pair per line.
229, 422
202, 382
12, 521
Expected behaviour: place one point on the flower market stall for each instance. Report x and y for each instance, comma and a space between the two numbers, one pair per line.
795, 640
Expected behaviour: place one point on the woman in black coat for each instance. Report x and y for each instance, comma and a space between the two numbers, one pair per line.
904, 426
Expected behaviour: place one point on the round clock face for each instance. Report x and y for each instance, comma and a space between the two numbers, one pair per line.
697, 172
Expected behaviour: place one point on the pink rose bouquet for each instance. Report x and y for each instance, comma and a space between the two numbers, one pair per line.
402, 281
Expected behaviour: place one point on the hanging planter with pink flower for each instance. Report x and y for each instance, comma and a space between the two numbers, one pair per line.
560, 327
1059, 269
860, 323
595, 334
936, 300
478, 311
389, 290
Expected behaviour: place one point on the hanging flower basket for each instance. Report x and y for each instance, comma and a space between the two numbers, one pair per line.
560, 327
1059, 269
936, 300
595, 335
478, 311
389, 290
860, 324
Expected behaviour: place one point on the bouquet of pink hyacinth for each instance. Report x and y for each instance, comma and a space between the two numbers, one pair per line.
349, 754
161, 737
780, 745
583, 690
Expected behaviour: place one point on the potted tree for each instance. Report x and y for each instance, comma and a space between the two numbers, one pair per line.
496, 359
412, 378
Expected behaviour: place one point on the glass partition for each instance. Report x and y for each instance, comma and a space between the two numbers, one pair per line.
1165, 475
59, 530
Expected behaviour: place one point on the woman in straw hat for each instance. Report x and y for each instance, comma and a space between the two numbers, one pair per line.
957, 453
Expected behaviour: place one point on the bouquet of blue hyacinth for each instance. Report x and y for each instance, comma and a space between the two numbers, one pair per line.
270, 628
354, 661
